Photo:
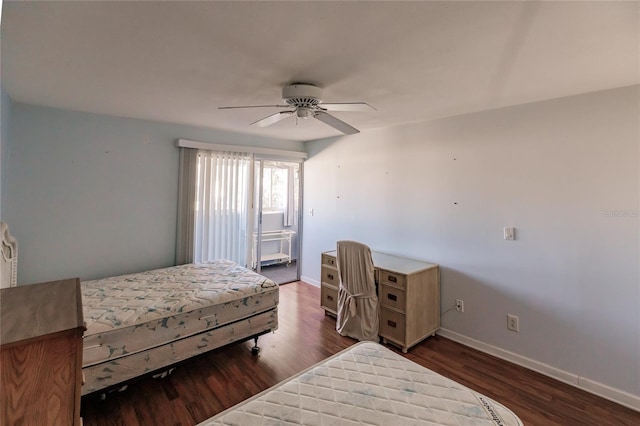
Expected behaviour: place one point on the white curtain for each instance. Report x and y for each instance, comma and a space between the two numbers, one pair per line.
187, 183
290, 206
213, 206
222, 206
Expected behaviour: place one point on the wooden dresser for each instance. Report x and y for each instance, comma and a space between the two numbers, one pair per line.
41, 353
408, 294
329, 283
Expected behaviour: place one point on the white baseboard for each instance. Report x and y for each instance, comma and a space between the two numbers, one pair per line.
591, 386
311, 281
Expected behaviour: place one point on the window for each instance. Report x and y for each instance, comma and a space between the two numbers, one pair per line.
274, 188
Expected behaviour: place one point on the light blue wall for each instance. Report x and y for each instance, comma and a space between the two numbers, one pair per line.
563, 172
91, 196
5, 120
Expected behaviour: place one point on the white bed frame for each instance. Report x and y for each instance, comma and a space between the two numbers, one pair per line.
9, 258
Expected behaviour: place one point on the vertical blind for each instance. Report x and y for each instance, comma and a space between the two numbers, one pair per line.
221, 206
290, 209
215, 213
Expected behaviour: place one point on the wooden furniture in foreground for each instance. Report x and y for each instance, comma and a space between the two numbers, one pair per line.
408, 293
41, 353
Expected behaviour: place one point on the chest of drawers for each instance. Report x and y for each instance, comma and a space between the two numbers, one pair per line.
329, 284
408, 295
41, 354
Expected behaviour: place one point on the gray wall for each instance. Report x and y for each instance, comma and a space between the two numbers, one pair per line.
564, 172
5, 120
91, 196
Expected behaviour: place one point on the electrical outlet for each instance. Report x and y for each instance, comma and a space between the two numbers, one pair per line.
459, 305
513, 323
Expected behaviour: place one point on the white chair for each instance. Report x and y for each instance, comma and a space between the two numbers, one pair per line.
357, 298
8, 257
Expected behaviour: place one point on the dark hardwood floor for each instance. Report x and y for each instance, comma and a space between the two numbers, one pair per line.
212, 382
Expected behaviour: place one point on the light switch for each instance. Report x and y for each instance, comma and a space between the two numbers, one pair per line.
509, 233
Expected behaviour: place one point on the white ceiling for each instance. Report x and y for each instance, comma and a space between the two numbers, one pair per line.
413, 61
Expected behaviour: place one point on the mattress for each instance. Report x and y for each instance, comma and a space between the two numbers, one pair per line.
367, 384
134, 313
114, 372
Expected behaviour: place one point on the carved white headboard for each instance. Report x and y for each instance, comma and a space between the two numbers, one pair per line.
8, 257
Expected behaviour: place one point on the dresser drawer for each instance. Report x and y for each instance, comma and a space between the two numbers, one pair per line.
329, 298
328, 260
330, 276
392, 324
393, 297
393, 279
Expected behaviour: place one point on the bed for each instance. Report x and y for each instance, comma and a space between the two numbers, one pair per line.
367, 384
142, 323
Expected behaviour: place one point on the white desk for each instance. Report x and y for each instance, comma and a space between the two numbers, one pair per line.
408, 293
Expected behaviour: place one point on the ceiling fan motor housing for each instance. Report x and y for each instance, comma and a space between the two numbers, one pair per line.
302, 95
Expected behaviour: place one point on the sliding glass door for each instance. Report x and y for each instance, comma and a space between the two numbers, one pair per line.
277, 215
241, 204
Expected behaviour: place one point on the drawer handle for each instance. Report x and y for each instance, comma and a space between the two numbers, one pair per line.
391, 323
329, 297
393, 279
330, 276
392, 297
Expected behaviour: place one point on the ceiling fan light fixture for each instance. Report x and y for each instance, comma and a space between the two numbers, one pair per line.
304, 112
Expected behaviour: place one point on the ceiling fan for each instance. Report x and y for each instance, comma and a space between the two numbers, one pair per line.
304, 101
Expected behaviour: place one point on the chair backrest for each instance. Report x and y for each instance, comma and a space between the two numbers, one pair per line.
357, 300
355, 267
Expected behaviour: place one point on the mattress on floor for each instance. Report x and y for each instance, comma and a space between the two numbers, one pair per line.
367, 384
132, 313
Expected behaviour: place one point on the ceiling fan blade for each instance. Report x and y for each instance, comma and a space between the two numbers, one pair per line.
255, 106
347, 106
273, 118
335, 123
